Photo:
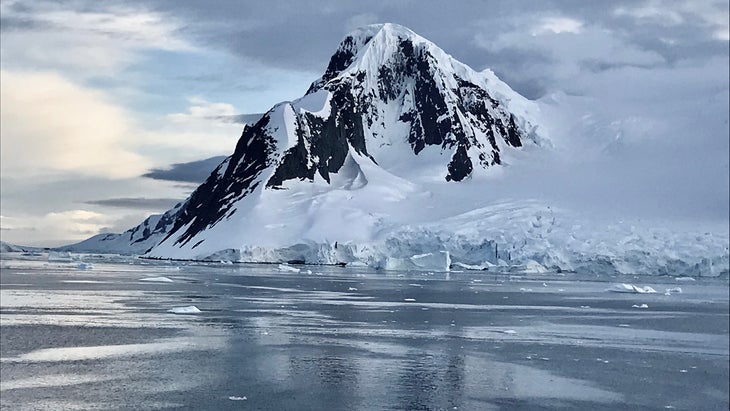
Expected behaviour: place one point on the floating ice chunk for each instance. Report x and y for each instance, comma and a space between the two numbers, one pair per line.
59, 257
234, 398
351, 289
630, 288
156, 279
684, 279
675, 290
288, 268
84, 266
640, 306
409, 299
190, 309
526, 290
509, 332
357, 264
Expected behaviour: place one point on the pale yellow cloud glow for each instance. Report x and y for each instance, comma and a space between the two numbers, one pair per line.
48, 124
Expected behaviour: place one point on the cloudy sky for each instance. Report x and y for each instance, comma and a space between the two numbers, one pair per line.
97, 94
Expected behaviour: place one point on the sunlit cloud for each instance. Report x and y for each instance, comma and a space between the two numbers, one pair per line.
50, 35
49, 124
557, 25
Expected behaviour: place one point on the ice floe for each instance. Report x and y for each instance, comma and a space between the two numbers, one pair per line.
190, 309
156, 280
288, 268
630, 288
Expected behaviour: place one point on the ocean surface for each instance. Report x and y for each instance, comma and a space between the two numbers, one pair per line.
75, 336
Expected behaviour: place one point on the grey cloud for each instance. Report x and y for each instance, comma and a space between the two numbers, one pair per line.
193, 172
136, 203
241, 118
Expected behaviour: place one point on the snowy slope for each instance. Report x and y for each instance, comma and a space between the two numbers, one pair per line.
136, 240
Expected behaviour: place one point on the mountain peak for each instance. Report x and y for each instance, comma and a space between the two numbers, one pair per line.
377, 41
391, 110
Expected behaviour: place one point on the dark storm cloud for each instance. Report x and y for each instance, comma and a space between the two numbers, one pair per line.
136, 202
192, 172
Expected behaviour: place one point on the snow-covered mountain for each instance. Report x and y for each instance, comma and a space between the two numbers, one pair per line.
392, 109
388, 160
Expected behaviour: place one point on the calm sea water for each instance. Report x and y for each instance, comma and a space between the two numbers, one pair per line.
333, 338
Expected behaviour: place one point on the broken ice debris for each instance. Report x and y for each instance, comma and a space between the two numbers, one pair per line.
284, 267
675, 290
156, 279
190, 309
84, 266
630, 288
640, 306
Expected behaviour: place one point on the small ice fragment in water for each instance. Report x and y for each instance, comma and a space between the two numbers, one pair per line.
526, 290
156, 279
585, 306
352, 289
684, 279
682, 370
284, 267
675, 290
624, 325
190, 309
544, 284
509, 332
409, 299
234, 398
640, 306
84, 266
630, 288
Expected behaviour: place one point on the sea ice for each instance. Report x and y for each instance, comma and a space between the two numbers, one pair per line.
640, 306
190, 309
284, 267
84, 266
630, 288
156, 279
